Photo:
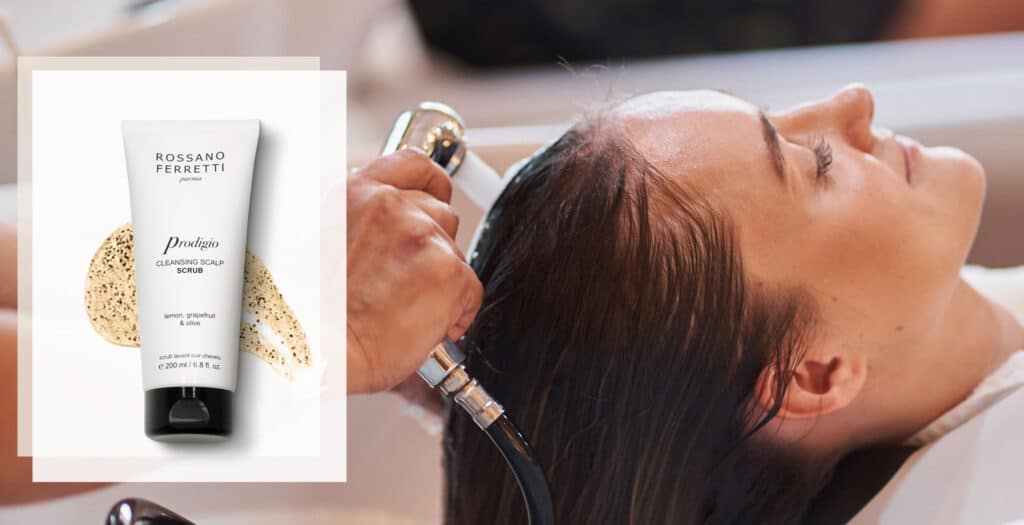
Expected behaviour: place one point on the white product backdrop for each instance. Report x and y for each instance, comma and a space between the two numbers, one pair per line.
87, 393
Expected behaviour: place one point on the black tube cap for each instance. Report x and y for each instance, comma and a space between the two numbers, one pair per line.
185, 411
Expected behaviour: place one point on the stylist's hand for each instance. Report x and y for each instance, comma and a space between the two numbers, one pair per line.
408, 284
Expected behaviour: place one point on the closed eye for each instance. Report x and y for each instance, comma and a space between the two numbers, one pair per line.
823, 154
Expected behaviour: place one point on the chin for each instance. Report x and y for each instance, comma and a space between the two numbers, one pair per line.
958, 187
956, 174
960, 165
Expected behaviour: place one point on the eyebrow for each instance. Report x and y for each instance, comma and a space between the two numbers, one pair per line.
771, 140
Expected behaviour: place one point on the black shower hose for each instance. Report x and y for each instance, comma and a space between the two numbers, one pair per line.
527, 469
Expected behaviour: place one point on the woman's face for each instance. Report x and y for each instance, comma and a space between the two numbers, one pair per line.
876, 229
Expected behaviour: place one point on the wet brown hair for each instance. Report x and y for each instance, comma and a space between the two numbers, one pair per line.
621, 334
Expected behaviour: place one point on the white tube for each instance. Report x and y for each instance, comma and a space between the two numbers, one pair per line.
189, 183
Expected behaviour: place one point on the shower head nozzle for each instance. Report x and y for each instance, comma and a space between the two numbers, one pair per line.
434, 128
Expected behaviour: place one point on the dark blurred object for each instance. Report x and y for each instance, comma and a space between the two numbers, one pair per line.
138, 511
855, 481
488, 33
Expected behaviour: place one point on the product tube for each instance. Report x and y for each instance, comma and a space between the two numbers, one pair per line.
189, 183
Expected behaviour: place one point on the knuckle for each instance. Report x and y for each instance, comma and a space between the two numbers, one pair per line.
412, 157
415, 256
373, 167
361, 172
456, 267
418, 230
360, 182
446, 265
446, 217
411, 153
384, 200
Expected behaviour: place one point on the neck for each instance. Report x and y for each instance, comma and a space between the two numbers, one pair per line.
970, 340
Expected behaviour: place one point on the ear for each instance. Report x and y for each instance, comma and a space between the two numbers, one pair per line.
819, 385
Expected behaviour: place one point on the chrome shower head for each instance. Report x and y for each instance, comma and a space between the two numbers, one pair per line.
434, 128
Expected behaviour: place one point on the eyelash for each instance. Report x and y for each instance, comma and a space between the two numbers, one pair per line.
823, 152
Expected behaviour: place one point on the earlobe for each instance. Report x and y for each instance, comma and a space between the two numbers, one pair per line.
819, 385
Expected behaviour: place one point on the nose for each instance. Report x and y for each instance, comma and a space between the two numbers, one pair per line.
848, 113
855, 110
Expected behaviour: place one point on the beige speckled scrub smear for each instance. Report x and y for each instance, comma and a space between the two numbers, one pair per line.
110, 290
111, 306
264, 301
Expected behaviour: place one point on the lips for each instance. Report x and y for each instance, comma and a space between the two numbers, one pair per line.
911, 150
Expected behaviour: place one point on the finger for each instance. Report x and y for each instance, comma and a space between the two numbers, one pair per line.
411, 169
448, 258
437, 210
472, 299
446, 240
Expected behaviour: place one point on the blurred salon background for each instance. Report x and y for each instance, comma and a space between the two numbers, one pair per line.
944, 71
